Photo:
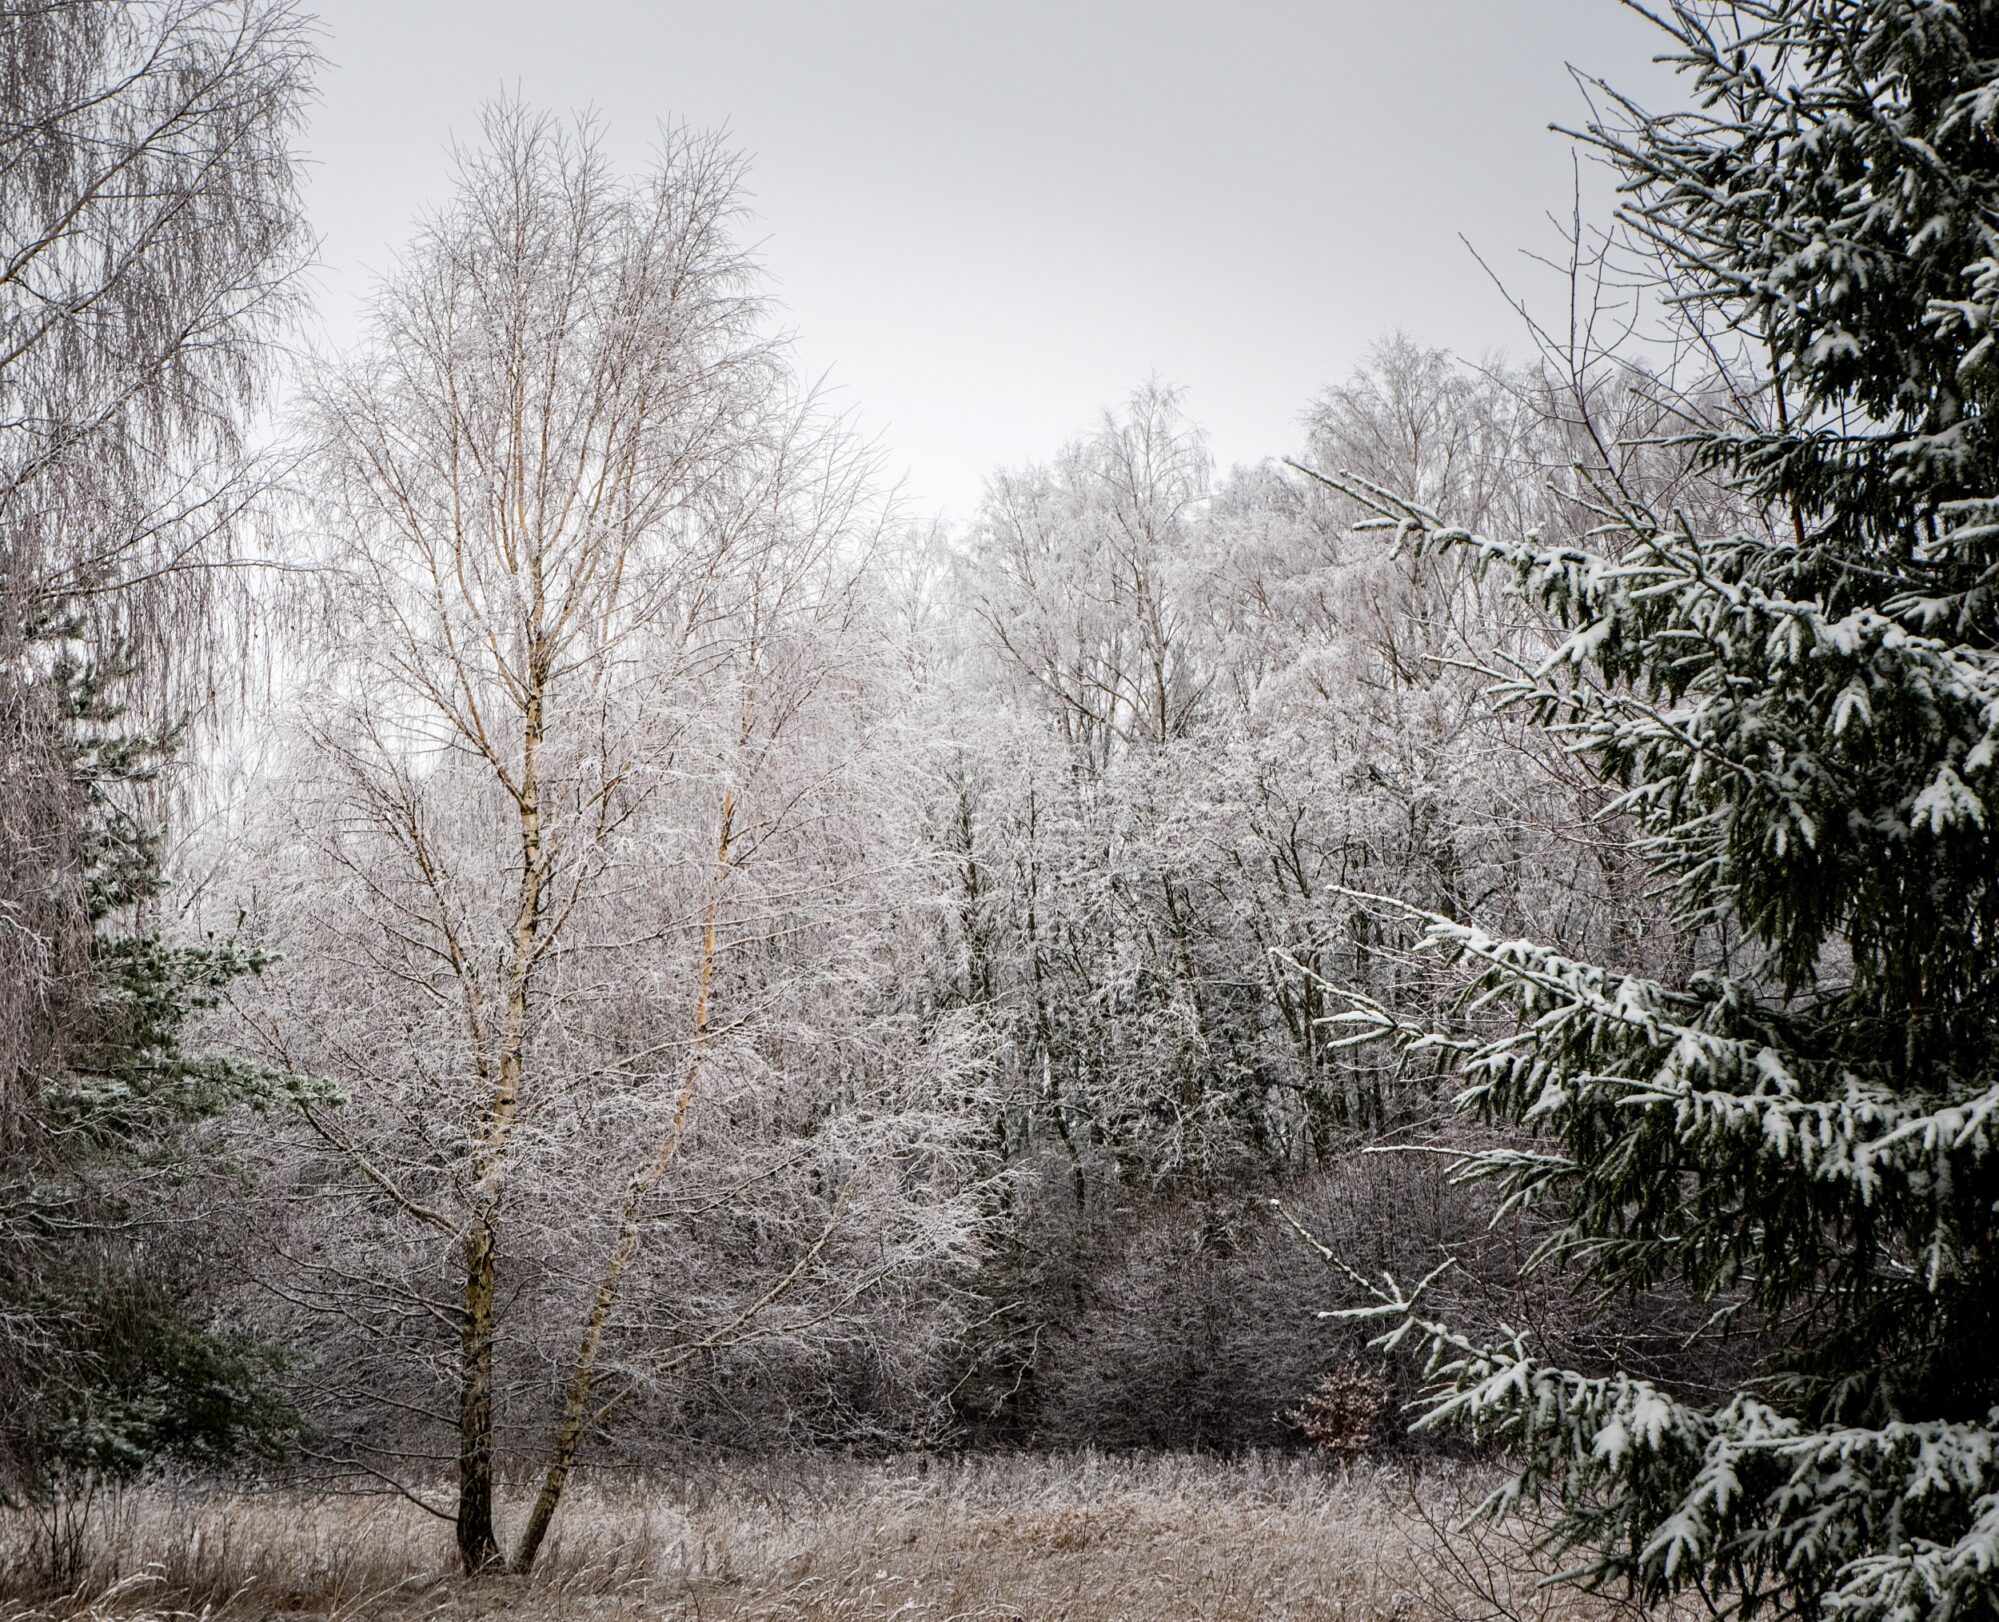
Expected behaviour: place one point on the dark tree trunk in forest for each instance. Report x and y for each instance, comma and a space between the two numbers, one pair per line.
478, 1548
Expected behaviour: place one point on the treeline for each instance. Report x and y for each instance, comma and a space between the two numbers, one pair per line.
542, 926
548, 926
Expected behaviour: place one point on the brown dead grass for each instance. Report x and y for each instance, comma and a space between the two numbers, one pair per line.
1079, 1538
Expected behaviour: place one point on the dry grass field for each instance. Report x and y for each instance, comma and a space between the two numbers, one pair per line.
1077, 1538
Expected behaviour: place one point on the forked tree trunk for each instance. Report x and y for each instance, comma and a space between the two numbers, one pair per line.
576, 1410
478, 1546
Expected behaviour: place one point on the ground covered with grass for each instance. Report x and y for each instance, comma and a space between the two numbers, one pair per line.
1080, 1538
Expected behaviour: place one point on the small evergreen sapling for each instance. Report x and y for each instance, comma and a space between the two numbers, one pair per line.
119, 1369
1803, 719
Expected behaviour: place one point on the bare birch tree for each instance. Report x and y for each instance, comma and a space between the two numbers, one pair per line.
594, 595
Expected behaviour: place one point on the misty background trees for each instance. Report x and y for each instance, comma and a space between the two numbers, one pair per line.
549, 924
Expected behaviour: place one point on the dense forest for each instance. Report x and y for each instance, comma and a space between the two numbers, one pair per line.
550, 925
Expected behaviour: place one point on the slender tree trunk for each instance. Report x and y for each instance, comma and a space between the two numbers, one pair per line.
478, 1550
478, 1546
583, 1373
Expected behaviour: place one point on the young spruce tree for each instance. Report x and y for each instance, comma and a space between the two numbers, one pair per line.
1804, 720
118, 1368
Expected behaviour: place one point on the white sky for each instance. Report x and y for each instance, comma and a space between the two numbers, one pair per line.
989, 220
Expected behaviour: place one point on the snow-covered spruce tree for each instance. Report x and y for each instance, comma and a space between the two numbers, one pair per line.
1804, 721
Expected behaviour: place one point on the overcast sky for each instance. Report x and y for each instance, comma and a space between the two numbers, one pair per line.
988, 219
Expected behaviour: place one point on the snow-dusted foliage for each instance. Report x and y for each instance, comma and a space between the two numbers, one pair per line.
1803, 718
